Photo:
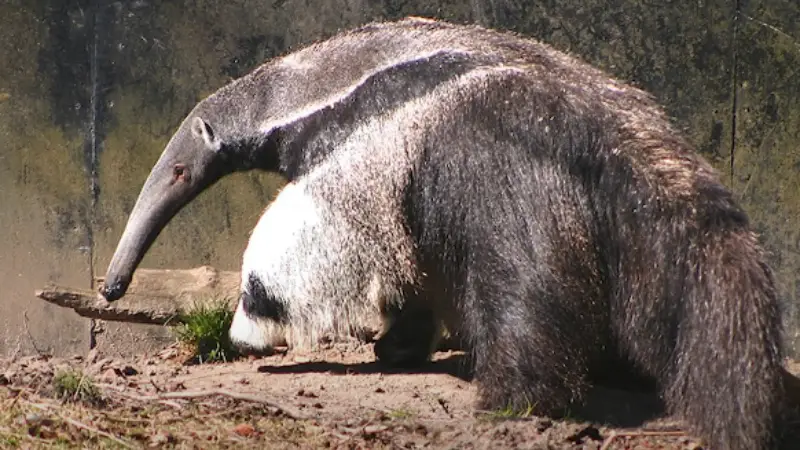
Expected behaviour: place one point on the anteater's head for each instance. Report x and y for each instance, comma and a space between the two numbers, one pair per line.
194, 159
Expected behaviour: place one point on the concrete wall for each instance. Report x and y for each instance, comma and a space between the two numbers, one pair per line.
91, 90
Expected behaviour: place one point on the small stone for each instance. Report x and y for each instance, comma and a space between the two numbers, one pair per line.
33, 419
46, 432
379, 391
168, 353
544, 425
371, 430
161, 438
93, 355
244, 430
177, 386
111, 375
129, 371
307, 394
590, 432
101, 365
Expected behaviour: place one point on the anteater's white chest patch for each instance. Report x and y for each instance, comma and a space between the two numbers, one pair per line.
275, 248
314, 264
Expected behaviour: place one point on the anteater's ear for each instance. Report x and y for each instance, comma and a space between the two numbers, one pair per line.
203, 130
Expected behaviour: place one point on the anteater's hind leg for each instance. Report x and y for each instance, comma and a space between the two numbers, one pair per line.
531, 344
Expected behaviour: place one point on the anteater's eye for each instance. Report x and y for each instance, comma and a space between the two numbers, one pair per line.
179, 171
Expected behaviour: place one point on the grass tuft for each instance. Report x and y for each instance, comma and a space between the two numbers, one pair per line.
204, 331
400, 414
72, 385
512, 413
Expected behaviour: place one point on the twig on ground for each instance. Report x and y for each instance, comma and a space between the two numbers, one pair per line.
128, 420
94, 430
615, 434
78, 424
122, 392
340, 436
164, 397
289, 412
25, 437
443, 404
171, 404
157, 387
15, 400
114, 387
14, 355
223, 413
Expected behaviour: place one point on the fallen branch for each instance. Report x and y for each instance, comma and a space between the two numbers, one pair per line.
154, 297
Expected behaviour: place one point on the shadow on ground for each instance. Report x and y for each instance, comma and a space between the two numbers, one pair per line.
454, 365
606, 403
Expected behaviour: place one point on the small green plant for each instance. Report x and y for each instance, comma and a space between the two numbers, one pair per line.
9, 441
73, 385
512, 413
400, 414
204, 330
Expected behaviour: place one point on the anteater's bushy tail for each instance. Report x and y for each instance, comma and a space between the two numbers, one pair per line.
726, 380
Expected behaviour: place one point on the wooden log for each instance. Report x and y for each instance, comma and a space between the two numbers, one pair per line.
154, 296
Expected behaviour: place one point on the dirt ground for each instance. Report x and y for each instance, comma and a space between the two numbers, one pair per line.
334, 398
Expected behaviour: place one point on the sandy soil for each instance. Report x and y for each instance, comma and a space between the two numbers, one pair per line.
335, 398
